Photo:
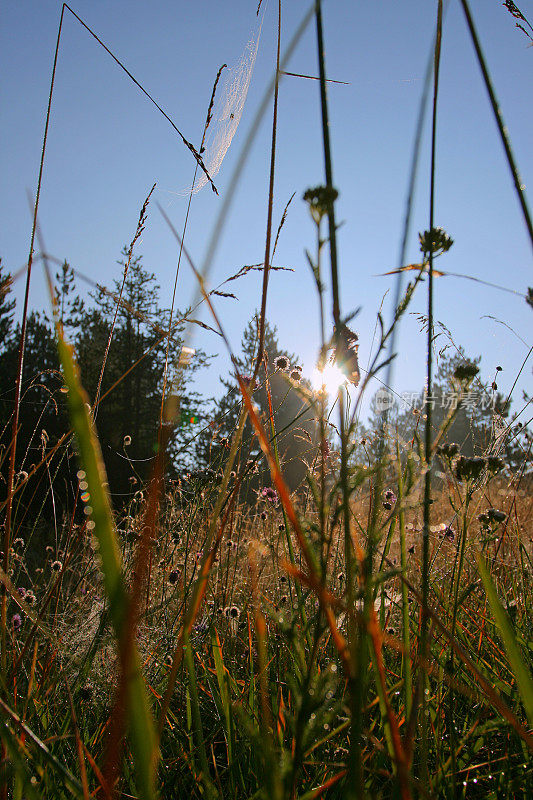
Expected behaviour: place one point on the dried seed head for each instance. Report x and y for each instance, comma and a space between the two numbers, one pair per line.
281, 363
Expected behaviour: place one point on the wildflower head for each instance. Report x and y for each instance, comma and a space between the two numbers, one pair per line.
269, 494
469, 468
493, 515
173, 576
435, 241
57, 566
495, 464
320, 200
16, 622
296, 375
389, 499
465, 373
448, 450
281, 363
127, 441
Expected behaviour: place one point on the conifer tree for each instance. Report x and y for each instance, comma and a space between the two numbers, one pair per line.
293, 421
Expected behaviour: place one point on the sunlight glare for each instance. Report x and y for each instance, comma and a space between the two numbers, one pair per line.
330, 379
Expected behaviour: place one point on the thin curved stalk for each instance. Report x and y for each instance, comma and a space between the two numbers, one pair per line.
424, 629
520, 189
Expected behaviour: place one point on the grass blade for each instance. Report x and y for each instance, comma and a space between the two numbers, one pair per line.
520, 670
142, 730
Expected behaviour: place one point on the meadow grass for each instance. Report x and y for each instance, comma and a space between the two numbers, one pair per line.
365, 635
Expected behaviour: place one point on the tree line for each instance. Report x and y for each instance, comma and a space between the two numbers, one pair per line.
129, 338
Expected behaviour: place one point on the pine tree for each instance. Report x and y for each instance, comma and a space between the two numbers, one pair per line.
127, 418
6, 308
70, 306
293, 420
477, 418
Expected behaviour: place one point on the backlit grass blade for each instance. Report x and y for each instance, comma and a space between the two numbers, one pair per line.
142, 730
520, 670
196, 717
224, 691
16, 746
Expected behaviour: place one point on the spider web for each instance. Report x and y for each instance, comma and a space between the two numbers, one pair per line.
227, 110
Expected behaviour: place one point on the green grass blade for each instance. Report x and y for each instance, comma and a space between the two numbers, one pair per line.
224, 692
196, 717
140, 718
520, 670
22, 760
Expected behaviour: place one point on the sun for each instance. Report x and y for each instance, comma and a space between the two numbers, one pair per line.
329, 380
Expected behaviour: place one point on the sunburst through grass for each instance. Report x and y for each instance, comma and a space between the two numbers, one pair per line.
282, 603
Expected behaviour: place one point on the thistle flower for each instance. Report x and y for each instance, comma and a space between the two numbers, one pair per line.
57, 566
16, 622
296, 375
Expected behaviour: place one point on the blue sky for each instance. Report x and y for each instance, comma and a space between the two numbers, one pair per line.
108, 145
